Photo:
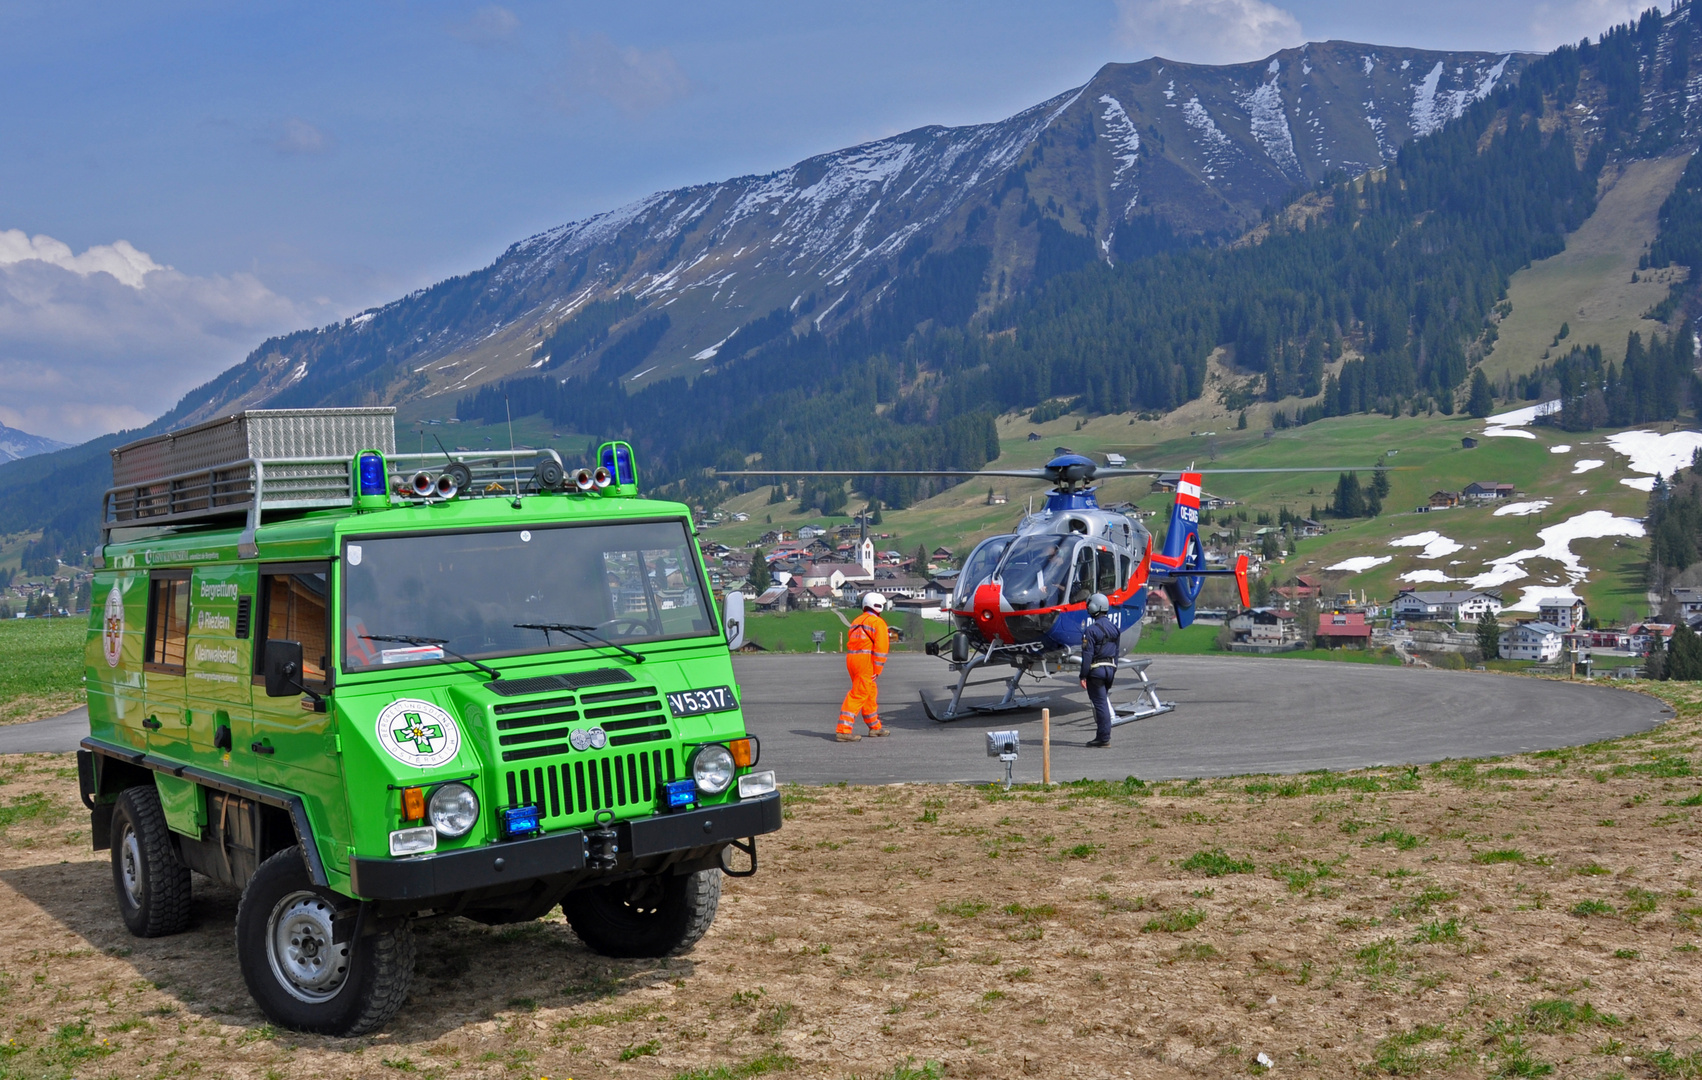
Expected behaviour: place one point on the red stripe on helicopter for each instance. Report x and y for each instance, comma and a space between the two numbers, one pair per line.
1188, 490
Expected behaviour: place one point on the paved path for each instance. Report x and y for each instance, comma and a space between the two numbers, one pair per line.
55, 735
1235, 715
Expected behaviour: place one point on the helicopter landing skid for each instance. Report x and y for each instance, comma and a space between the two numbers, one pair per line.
1147, 704
957, 710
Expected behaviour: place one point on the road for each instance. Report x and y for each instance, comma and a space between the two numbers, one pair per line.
1235, 715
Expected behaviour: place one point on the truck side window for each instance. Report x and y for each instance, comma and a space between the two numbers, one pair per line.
294, 607
168, 621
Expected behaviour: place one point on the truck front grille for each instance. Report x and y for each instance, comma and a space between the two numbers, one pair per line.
589, 784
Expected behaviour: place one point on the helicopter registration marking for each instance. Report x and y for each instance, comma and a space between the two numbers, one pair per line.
697, 702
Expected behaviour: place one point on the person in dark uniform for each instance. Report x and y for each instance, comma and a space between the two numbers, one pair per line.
1101, 643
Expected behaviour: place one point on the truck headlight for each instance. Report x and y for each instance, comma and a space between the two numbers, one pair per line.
712, 768
453, 809
752, 785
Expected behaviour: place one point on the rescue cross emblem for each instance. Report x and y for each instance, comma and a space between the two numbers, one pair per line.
418, 733
112, 638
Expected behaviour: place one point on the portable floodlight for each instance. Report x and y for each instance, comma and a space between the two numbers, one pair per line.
1006, 746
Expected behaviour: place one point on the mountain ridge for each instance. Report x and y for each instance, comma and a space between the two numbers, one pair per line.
16, 445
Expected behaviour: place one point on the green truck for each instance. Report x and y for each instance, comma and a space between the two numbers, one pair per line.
368, 688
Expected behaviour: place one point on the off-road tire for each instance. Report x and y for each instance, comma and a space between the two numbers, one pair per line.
379, 965
151, 884
661, 915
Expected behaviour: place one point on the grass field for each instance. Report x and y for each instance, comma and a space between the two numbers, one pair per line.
1528, 916
1588, 286
41, 668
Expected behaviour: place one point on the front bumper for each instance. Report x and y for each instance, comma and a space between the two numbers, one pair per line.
516, 861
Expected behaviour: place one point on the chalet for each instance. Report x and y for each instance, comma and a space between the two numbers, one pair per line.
1643, 637
1487, 491
1303, 587
1444, 605
1566, 612
896, 585
942, 554
1265, 626
1537, 641
1689, 602
1343, 628
1116, 461
810, 532
774, 598
1444, 500
1308, 527
1034, 436
1468, 443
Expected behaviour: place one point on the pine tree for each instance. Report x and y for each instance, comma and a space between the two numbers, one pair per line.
1684, 659
1482, 400
1350, 497
1488, 635
759, 577
1655, 664
1380, 481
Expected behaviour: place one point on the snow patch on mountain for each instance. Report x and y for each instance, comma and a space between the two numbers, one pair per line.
1270, 123
1433, 107
1215, 146
1120, 132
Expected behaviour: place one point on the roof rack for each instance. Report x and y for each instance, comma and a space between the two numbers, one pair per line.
275, 460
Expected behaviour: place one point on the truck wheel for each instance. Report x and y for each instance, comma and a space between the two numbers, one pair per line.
660, 915
152, 885
299, 976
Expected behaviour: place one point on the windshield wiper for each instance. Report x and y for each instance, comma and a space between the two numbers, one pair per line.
441, 643
581, 632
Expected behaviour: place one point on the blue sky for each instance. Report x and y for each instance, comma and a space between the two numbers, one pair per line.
182, 179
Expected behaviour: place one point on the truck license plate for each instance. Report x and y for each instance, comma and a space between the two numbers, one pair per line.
696, 702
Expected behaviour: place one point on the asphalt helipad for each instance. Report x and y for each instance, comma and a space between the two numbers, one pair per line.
1234, 715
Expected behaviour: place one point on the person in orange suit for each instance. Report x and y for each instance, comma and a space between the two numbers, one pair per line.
865, 656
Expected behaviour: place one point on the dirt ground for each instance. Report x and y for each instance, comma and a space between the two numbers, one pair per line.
1525, 917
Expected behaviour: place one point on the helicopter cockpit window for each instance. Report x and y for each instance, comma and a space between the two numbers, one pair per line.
1083, 584
1035, 570
978, 570
1111, 575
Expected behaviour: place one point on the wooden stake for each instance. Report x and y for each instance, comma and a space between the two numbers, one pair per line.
1046, 747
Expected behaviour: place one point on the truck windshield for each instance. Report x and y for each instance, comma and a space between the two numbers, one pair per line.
632, 583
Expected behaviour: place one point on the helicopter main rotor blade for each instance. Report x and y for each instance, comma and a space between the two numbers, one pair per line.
1104, 474
1020, 474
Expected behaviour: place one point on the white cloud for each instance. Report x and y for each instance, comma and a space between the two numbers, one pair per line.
633, 81
492, 24
110, 338
1206, 31
1566, 22
297, 136
120, 260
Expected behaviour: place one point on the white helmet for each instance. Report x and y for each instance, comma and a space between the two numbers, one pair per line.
874, 601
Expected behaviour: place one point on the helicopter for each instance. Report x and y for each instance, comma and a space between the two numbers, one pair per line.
1021, 598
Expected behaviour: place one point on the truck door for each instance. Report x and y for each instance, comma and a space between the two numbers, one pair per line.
292, 746
164, 655
218, 690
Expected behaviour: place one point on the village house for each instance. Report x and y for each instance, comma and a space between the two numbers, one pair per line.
1488, 491
774, 598
1610, 637
1302, 587
1538, 641
1642, 638
1116, 461
1444, 605
1265, 627
1443, 500
1308, 527
1566, 612
1689, 602
1343, 628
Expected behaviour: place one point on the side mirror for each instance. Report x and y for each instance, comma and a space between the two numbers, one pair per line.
733, 613
282, 668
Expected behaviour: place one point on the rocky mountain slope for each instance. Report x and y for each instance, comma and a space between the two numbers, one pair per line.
1144, 156
15, 444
